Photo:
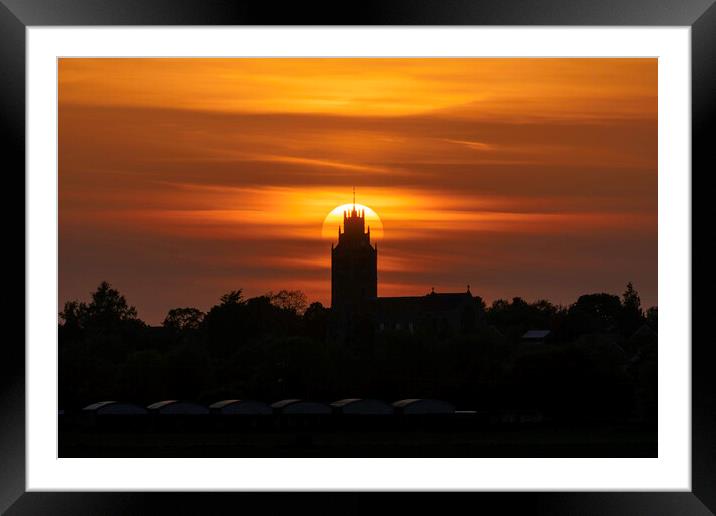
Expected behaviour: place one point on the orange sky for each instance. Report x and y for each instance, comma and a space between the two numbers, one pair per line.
181, 179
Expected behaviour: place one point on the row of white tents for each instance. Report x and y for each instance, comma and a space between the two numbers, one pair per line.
352, 406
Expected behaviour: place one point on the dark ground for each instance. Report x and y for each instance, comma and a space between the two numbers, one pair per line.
546, 440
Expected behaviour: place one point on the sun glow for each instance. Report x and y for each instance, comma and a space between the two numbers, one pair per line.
335, 219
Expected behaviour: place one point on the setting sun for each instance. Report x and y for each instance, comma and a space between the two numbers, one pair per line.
335, 219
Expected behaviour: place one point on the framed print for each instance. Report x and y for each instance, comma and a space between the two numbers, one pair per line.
418, 248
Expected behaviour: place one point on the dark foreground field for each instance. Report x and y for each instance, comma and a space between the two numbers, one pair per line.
546, 440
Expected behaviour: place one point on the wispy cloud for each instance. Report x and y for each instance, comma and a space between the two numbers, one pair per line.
182, 178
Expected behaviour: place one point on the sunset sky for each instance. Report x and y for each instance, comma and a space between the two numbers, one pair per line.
182, 179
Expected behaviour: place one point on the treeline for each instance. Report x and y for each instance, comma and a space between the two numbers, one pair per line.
599, 361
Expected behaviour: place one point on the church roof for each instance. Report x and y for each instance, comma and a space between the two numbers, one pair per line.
536, 334
114, 407
240, 407
362, 406
432, 302
295, 406
424, 406
284, 403
176, 407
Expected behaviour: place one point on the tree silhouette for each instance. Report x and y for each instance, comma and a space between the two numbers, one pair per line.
106, 311
594, 313
632, 314
514, 318
108, 304
93, 339
225, 324
183, 319
73, 314
631, 300
315, 320
652, 318
293, 300
234, 297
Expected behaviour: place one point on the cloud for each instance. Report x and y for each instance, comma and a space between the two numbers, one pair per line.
181, 179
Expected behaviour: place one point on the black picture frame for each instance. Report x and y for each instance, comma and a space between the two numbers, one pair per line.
699, 15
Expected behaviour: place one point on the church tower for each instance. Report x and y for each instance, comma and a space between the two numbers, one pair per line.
354, 268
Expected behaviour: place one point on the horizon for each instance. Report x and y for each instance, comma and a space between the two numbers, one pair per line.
246, 297
183, 179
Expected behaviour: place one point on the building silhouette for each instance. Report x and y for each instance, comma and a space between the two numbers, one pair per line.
356, 310
354, 266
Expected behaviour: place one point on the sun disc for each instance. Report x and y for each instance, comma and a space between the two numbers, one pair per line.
334, 219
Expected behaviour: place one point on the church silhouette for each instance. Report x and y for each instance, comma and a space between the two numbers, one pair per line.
356, 309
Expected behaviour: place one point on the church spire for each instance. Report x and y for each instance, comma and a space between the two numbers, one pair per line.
354, 213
